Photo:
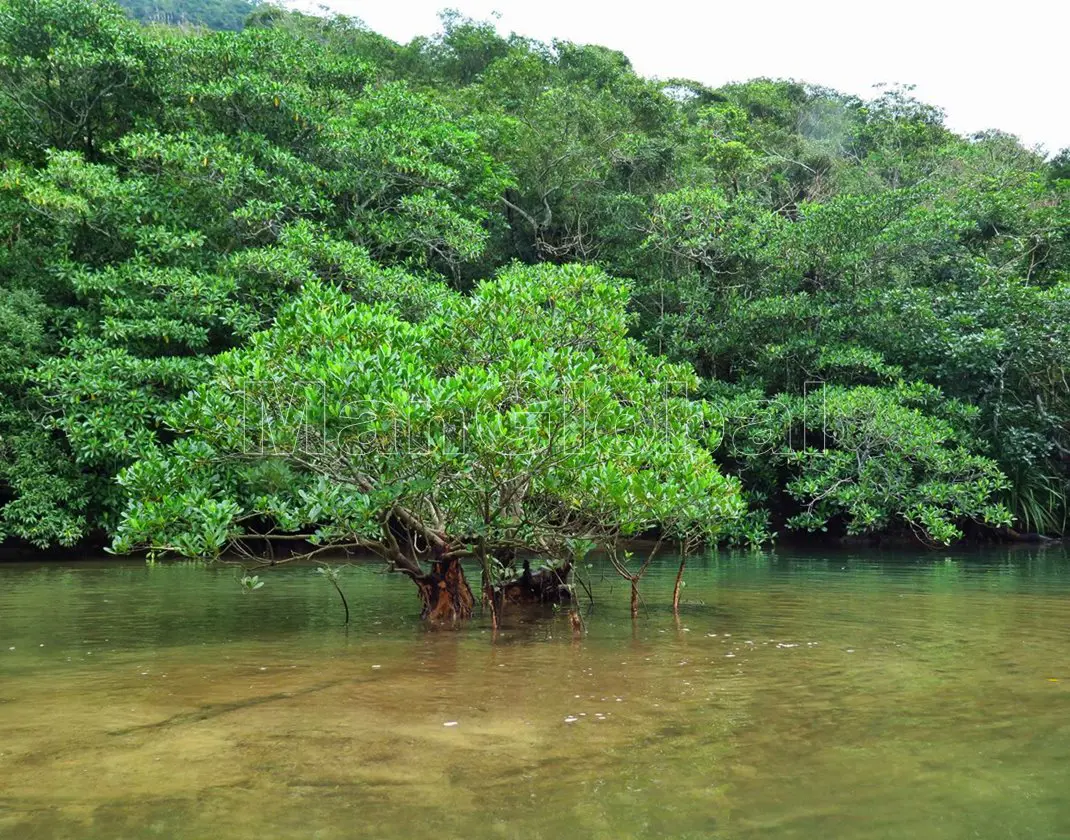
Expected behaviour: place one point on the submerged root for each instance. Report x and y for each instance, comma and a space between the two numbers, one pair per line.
446, 594
547, 586
448, 599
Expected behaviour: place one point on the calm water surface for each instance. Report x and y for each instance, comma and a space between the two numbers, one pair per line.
840, 696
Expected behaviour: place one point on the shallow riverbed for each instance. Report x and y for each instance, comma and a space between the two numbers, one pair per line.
840, 695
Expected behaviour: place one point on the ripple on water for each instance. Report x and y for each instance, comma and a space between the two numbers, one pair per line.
796, 696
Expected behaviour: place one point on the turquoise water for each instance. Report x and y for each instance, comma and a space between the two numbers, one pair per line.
847, 696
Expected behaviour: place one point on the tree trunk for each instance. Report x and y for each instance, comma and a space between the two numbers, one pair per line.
490, 598
445, 592
635, 596
676, 588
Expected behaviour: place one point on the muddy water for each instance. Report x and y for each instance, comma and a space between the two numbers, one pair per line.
847, 696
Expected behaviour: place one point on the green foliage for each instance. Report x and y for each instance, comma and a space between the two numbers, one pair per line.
518, 417
250, 583
234, 168
166, 191
73, 75
867, 460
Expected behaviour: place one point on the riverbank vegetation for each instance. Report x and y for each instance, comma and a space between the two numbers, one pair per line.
480, 296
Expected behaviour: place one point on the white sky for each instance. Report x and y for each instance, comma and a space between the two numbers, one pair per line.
999, 65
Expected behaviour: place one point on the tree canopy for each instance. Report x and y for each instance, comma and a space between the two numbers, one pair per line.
518, 418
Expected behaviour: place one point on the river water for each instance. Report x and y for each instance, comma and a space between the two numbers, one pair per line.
835, 695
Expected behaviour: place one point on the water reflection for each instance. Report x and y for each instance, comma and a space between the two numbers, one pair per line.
879, 696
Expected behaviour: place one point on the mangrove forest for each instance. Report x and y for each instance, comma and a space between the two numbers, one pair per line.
273, 285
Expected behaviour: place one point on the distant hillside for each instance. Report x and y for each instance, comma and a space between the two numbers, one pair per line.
215, 14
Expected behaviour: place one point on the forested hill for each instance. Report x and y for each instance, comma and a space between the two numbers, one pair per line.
214, 14
875, 310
